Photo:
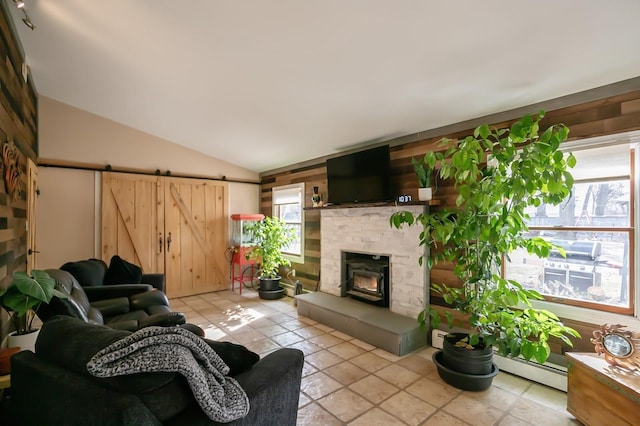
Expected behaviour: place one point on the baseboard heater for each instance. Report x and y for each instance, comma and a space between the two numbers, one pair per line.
549, 374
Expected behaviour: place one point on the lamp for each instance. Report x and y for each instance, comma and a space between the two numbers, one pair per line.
27, 20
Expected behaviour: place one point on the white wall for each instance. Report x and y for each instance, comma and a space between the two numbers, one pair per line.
68, 207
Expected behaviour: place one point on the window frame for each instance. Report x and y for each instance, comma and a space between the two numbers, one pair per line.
593, 313
276, 208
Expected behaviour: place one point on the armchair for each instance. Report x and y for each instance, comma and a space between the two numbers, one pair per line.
123, 307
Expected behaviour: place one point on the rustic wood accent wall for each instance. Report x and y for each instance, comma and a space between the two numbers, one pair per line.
18, 124
611, 115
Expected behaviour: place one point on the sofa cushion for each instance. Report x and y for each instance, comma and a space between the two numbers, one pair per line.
122, 272
88, 272
238, 358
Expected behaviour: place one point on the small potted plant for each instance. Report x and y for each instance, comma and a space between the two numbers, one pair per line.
423, 169
271, 235
21, 300
498, 174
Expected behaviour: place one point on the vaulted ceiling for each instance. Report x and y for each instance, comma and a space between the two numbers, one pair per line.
264, 84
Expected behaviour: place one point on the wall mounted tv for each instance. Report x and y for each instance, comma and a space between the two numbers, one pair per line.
361, 177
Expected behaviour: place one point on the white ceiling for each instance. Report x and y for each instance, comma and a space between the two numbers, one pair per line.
264, 84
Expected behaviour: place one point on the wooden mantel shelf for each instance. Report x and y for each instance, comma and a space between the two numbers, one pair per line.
380, 204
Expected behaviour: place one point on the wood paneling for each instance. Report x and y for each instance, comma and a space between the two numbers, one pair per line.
615, 114
18, 123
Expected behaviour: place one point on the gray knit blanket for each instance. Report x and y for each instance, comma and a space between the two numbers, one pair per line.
172, 349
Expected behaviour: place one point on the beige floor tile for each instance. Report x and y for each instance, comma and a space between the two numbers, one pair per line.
374, 389
293, 324
315, 415
308, 369
325, 340
323, 359
363, 345
246, 335
509, 420
377, 417
418, 365
303, 400
548, 397
408, 408
345, 404
318, 384
306, 347
444, 419
532, 412
346, 350
473, 411
434, 392
511, 383
262, 346
346, 373
324, 328
494, 396
386, 355
287, 339
397, 375
309, 332
271, 330
341, 335
370, 362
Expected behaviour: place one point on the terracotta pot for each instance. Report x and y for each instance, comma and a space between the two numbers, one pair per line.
5, 360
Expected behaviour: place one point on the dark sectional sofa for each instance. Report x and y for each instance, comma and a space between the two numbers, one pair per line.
53, 387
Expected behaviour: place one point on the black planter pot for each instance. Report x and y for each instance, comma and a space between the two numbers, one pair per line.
270, 288
269, 284
477, 361
468, 382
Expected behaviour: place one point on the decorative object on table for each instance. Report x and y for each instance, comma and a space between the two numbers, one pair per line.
423, 169
12, 170
271, 235
21, 299
5, 359
620, 347
316, 200
488, 223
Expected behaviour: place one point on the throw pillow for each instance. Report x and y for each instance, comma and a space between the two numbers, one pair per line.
238, 358
122, 272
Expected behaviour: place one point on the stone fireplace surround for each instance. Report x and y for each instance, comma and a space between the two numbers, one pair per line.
367, 230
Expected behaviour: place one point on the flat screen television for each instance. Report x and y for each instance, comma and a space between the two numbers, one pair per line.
361, 177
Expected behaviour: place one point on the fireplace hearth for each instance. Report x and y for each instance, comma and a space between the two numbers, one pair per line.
366, 277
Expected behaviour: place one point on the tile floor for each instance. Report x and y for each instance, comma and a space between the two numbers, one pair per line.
349, 382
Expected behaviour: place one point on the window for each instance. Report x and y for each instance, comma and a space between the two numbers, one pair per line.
287, 205
595, 229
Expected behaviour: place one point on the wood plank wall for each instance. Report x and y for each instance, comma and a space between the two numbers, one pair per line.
18, 124
611, 115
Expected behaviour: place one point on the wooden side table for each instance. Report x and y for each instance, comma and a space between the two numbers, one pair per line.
602, 394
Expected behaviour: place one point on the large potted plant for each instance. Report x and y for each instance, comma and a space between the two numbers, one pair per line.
21, 300
271, 235
498, 174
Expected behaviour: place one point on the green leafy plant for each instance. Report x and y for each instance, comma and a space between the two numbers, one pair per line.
498, 174
271, 235
22, 298
424, 168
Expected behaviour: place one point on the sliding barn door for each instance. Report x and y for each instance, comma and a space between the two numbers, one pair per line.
32, 210
131, 225
195, 219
